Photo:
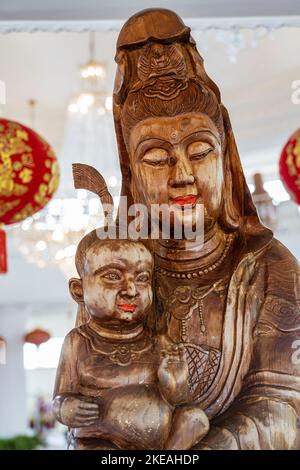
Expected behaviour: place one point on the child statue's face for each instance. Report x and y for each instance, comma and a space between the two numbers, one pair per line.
117, 281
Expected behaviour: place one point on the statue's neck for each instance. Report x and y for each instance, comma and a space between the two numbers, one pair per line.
173, 254
116, 332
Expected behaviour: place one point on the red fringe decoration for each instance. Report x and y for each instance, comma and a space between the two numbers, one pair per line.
3, 252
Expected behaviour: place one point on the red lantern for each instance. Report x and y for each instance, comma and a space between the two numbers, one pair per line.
37, 337
289, 166
29, 175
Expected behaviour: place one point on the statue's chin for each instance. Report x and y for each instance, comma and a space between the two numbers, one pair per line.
190, 225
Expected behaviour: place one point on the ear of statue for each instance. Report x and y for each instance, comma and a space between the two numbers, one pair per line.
230, 213
76, 290
124, 161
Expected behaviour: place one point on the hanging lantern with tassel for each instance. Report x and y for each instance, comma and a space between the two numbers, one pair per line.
29, 176
3, 256
37, 337
289, 166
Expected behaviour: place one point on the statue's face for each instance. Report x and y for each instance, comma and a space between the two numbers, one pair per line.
117, 282
178, 160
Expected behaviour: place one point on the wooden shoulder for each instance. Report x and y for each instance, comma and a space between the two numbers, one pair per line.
281, 307
283, 272
277, 253
73, 340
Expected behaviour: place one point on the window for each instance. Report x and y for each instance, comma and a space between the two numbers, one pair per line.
45, 356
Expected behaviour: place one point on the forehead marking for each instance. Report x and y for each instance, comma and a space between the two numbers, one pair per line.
174, 135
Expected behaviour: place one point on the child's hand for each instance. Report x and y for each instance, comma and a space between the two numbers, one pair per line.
77, 413
173, 374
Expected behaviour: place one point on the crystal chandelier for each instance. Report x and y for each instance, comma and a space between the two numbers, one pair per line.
50, 237
93, 74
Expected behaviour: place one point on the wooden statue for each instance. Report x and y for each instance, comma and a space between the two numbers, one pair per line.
230, 305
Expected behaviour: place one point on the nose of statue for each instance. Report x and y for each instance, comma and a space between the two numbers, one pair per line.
129, 290
182, 174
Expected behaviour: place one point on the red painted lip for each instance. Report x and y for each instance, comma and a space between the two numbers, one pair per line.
182, 201
127, 307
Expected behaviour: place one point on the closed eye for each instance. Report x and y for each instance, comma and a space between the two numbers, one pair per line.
156, 157
155, 162
199, 150
200, 156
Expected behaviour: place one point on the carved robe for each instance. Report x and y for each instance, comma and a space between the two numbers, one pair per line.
248, 383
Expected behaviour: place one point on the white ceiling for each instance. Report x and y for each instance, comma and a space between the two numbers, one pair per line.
120, 9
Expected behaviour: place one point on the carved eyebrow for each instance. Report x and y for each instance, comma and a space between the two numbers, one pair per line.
143, 270
143, 143
144, 267
144, 262
109, 266
165, 143
196, 133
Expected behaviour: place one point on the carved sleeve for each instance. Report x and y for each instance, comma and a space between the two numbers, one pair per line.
66, 381
255, 423
266, 413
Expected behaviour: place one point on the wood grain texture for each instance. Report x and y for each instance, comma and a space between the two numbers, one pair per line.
88, 178
230, 303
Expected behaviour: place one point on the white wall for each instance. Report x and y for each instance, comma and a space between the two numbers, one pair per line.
12, 375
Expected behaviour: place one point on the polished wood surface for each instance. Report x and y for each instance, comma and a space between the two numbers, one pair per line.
229, 306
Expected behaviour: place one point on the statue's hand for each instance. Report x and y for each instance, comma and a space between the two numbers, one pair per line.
77, 413
173, 375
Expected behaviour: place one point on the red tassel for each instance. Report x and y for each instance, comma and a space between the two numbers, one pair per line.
3, 252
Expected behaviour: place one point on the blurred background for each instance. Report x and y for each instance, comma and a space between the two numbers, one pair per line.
57, 67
